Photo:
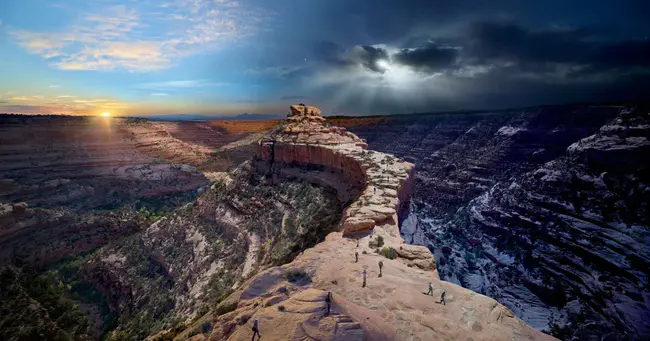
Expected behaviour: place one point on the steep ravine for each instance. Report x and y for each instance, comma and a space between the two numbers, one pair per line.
544, 209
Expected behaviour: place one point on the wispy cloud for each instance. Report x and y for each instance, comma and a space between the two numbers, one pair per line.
26, 98
143, 38
159, 94
59, 104
179, 84
54, 86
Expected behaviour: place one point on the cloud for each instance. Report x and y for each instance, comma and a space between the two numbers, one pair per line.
495, 63
144, 38
368, 56
26, 98
159, 94
54, 86
179, 84
429, 58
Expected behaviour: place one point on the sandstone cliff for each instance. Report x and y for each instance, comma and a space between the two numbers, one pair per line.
288, 300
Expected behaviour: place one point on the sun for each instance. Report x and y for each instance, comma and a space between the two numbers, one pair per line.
106, 114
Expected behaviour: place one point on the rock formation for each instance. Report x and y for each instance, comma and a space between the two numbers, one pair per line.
384, 180
288, 300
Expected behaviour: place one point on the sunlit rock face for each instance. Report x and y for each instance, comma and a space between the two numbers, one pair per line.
382, 180
544, 209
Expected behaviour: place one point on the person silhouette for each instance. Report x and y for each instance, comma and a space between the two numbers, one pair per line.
356, 256
328, 300
256, 329
442, 298
364, 278
430, 292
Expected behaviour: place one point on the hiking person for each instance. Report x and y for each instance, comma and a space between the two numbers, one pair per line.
356, 256
381, 265
430, 292
328, 300
442, 298
364, 278
256, 329
357, 241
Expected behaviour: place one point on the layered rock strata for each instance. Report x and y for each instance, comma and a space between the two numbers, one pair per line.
383, 180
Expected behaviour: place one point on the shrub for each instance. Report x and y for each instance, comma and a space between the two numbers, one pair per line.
388, 252
378, 242
281, 308
206, 327
294, 275
226, 307
241, 320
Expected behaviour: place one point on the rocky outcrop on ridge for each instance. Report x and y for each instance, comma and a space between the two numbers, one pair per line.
384, 180
287, 300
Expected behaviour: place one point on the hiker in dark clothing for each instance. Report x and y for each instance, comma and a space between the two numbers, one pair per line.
356, 257
364, 278
328, 300
442, 298
381, 265
256, 330
430, 292
357, 241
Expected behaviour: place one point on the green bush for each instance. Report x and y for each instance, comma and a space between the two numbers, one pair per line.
388, 252
206, 327
226, 307
294, 275
378, 242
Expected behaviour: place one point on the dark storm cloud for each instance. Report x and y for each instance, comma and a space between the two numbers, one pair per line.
431, 57
545, 49
368, 56
516, 49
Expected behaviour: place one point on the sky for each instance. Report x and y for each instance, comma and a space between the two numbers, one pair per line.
352, 57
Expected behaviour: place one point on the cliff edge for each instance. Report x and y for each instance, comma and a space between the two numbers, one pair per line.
368, 302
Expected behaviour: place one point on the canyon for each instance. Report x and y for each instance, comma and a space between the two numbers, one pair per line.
544, 209
529, 220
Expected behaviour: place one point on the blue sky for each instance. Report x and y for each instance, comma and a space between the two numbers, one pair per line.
353, 57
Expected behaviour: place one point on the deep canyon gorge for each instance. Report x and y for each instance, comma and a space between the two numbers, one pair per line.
530, 220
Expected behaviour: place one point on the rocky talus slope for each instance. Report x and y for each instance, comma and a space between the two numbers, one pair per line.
544, 209
288, 300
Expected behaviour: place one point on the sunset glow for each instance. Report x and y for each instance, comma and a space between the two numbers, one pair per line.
106, 114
